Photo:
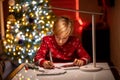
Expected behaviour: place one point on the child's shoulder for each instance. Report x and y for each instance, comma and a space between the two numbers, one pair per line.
48, 37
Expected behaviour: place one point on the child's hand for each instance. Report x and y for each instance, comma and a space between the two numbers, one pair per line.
48, 65
78, 62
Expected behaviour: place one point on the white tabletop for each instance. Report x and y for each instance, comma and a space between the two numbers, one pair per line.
72, 74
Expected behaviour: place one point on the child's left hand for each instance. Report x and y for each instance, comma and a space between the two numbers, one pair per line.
78, 62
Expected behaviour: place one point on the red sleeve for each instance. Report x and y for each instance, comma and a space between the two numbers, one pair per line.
40, 55
82, 53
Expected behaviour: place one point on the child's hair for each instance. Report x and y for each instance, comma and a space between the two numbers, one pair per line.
62, 24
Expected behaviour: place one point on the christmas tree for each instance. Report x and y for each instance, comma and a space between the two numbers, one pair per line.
27, 23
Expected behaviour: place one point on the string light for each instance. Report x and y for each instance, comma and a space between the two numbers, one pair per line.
27, 24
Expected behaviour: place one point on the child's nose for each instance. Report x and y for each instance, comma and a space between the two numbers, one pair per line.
60, 40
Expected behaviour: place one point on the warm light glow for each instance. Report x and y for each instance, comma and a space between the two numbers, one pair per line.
77, 13
27, 23
4, 42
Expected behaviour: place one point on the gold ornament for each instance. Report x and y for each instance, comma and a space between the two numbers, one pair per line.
11, 2
11, 18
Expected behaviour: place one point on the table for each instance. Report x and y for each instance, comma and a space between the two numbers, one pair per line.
74, 74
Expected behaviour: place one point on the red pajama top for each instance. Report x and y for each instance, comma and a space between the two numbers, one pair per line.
66, 53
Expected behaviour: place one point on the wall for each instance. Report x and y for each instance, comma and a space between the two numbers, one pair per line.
114, 23
91, 6
66, 7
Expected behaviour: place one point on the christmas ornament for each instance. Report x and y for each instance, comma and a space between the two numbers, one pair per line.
11, 18
11, 2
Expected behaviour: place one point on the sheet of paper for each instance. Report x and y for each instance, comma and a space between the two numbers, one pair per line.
66, 66
52, 72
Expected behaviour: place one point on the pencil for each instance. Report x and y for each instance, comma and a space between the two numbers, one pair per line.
50, 54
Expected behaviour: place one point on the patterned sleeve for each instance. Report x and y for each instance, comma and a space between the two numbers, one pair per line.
82, 53
41, 53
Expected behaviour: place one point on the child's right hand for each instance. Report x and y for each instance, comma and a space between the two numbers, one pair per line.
48, 65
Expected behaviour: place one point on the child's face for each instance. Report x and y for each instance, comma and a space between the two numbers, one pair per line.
61, 39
